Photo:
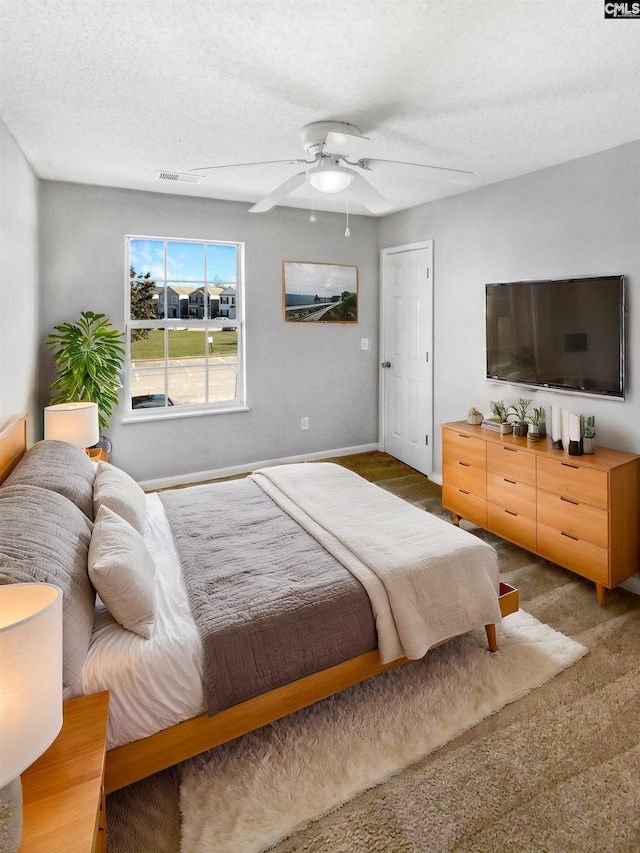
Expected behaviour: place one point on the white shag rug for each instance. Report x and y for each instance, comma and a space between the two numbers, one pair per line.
247, 795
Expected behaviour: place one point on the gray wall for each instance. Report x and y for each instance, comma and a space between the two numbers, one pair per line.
18, 285
293, 370
580, 218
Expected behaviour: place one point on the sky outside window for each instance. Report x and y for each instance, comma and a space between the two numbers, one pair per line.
185, 261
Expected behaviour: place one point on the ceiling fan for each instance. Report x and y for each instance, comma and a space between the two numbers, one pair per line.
329, 144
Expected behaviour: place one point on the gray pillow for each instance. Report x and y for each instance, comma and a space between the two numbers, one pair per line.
120, 493
59, 467
44, 538
122, 571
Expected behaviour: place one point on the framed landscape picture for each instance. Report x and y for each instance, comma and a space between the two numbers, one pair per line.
319, 292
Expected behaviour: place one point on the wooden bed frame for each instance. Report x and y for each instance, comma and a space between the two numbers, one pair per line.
134, 761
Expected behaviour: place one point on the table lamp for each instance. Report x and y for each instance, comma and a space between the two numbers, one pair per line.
76, 423
30, 691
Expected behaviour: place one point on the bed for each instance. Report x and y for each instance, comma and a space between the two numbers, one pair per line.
258, 562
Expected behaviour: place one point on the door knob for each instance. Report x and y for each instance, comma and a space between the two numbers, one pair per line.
386, 364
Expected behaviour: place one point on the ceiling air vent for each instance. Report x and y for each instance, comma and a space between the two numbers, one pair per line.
186, 177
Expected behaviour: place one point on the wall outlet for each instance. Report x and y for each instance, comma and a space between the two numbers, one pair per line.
304, 423
364, 343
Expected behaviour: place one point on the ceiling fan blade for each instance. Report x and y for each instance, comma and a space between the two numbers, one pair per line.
369, 196
279, 193
259, 163
435, 173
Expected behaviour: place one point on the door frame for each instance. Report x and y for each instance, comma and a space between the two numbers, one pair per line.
382, 429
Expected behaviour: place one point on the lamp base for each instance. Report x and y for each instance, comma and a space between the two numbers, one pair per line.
11, 816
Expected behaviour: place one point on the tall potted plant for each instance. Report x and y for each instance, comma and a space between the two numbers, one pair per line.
88, 356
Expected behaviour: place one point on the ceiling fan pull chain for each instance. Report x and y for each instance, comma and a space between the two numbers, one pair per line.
347, 233
313, 217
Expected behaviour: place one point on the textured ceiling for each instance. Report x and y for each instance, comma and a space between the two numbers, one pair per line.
109, 92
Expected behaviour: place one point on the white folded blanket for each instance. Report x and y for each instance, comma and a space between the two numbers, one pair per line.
427, 579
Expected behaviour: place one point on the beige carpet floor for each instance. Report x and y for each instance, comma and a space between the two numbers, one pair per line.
556, 771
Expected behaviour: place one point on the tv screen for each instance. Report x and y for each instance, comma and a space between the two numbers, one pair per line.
565, 334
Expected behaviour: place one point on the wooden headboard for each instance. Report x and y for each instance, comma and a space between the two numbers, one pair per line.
13, 444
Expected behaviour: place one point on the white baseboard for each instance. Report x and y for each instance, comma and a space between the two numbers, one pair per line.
632, 584
219, 473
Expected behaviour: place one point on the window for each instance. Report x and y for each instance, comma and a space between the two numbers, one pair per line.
185, 330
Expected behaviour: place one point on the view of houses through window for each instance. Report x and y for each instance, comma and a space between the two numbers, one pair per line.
184, 324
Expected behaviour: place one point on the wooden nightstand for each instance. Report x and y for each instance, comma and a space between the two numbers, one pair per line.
63, 790
98, 454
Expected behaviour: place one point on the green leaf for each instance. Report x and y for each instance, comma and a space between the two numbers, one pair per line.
88, 356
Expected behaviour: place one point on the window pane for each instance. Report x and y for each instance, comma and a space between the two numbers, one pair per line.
146, 368
185, 261
223, 382
223, 365
227, 303
181, 299
187, 366
147, 257
186, 383
221, 263
146, 299
147, 348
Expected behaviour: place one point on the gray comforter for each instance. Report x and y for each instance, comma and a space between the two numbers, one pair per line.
270, 603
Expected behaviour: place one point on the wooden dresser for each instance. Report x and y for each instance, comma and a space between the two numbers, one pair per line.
581, 512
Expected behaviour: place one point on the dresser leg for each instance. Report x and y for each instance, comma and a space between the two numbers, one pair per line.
456, 519
492, 638
600, 591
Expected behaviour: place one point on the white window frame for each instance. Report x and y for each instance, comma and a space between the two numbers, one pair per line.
182, 411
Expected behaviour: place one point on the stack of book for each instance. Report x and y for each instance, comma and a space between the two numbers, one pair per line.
497, 425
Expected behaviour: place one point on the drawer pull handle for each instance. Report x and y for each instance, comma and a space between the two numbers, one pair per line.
513, 482
567, 465
569, 536
462, 491
508, 511
510, 449
569, 501
464, 464
460, 435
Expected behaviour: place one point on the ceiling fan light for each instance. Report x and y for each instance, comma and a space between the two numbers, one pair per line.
330, 180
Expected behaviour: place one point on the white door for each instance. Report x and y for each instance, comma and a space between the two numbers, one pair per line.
406, 376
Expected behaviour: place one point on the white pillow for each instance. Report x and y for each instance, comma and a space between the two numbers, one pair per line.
123, 572
119, 492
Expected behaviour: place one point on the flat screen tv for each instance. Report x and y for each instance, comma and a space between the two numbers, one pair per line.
564, 334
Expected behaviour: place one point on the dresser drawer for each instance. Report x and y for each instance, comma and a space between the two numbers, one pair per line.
467, 448
573, 553
464, 504
508, 493
585, 485
579, 519
512, 463
465, 476
511, 525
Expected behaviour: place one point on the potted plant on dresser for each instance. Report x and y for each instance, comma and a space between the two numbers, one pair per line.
537, 428
518, 413
499, 412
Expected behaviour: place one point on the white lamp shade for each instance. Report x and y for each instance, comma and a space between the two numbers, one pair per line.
30, 674
76, 423
329, 180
